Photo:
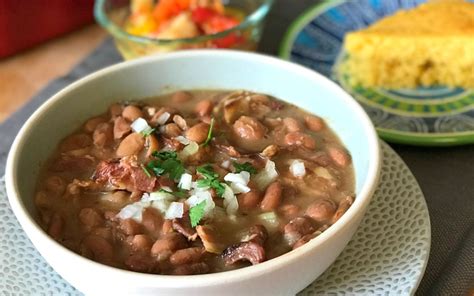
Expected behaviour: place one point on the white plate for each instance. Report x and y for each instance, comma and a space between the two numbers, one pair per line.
387, 255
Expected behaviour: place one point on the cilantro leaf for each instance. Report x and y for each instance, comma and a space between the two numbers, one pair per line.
145, 170
210, 179
247, 166
196, 213
209, 133
166, 163
147, 132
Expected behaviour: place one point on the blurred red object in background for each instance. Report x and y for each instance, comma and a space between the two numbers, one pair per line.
24, 23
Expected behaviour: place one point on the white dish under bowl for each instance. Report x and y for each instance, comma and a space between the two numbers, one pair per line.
198, 69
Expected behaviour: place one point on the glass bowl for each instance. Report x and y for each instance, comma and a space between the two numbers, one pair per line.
112, 15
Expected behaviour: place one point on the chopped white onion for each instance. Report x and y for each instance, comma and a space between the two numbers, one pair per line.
225, 164
230, 201
166, 188
189, 150
182, 140
140, 125
269, 220
186, 181
175, 210
161, 205
131, 211
163, 118
242, 178
323, 173
239, 188
297, 168
151, 111
266, 176
161, 195
200, 196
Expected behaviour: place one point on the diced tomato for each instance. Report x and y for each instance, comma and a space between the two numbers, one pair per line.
201, 15
219, 23
166, 9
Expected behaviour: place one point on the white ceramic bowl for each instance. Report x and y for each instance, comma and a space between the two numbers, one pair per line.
150, 76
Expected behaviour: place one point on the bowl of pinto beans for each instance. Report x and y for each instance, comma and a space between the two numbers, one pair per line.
198, 172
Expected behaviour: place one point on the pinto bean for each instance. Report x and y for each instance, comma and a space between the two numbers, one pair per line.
300, 139
131, 145
121, 127
342, 208
90, 217
75, 142
152, 221
291, 124
131, 113
198, 132
271, 199
92, 123
141, 263
55, 185
103, 135
185, 256
249, 128
104, 232
249, 201
153, 145
130, 227
314, 123
115, 110
289, 211
321, 210
188, 269
167, 227
181, 97
100, 248
339, 156
171, 130
204, 107
181, 122
141, 243
56, 225
169, 242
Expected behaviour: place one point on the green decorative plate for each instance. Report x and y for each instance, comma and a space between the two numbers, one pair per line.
434, 116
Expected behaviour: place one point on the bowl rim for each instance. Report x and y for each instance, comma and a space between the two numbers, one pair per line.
37, 235
251, 19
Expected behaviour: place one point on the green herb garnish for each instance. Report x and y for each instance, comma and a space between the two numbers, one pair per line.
167, 162
210, 179
145, 170
147, 132
247, 166
196, 213
209, 133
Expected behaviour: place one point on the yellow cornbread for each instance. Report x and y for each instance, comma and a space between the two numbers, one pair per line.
428, 45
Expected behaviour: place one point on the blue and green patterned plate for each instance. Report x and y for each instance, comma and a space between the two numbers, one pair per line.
435, 116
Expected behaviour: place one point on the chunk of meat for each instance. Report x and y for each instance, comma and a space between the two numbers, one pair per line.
103, 135
296, 229
306, 238
124, 175
121, 127
188, 269
246, 251
210, 239
183, 226
258, 234
234, 105
152, 145
270, 151
131, 113
228, 149
321, 210
131, 145
198, 133
249, 128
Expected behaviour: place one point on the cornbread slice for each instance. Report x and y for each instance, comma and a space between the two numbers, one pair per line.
432, 44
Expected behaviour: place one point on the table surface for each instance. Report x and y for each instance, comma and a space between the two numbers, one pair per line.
444, 174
